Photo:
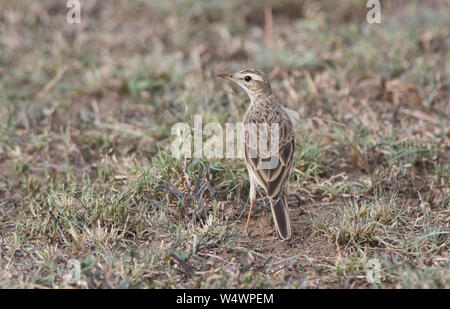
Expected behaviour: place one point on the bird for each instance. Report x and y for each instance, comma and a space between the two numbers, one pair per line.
267, 168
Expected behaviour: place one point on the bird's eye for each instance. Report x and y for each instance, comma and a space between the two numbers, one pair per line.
248, 78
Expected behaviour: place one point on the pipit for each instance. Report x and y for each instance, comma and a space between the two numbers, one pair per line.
268, 166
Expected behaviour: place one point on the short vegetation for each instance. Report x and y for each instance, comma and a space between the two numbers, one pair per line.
87, 178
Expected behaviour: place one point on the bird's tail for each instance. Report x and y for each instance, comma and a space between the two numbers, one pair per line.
281, 217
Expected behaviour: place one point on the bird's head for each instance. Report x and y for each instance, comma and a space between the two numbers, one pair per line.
253, 81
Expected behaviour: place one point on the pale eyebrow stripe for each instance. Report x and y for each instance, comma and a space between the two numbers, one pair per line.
256, 77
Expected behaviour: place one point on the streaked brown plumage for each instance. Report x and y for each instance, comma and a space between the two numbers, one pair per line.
264, 109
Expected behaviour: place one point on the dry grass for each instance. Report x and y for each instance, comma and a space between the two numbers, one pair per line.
86, 171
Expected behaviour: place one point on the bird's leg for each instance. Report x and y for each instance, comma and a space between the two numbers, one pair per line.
252, 196
252, 203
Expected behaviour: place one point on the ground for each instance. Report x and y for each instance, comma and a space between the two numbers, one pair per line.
88, 180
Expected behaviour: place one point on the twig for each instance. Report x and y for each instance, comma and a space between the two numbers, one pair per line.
268, 25
188, 269
52, 83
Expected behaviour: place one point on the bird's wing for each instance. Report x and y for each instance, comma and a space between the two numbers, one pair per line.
293, 116
272, 177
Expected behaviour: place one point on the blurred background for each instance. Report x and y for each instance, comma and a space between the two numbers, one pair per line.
86, 111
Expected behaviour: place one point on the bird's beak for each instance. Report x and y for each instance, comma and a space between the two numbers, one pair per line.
227, 76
